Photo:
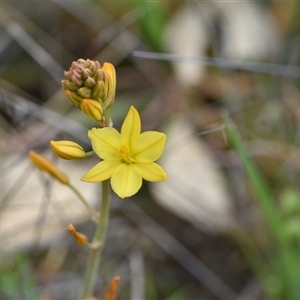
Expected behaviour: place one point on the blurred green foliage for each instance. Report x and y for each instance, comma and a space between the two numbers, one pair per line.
277, 265
153, 22
16, 279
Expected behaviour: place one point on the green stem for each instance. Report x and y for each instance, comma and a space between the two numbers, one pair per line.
89, 154
107, 117
93, 213
97, 243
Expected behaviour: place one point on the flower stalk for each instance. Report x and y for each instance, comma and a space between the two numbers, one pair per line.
90, 209
97, 242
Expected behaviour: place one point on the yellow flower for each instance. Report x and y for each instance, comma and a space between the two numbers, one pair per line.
128, 156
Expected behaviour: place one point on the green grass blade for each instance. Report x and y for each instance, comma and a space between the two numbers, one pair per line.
262, 192
285, 258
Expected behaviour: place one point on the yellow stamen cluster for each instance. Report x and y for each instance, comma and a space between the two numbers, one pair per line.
125, 154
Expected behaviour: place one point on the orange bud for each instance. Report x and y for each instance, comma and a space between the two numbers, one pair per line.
111, 294
80, 238
47, 166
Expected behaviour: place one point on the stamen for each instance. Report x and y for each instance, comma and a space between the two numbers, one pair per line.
125, 154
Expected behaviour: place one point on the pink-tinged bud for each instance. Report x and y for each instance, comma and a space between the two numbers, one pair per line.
92, 109
67, 150
75, 73
47, 166
80, 238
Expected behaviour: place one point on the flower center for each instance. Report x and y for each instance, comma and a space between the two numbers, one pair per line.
125, 154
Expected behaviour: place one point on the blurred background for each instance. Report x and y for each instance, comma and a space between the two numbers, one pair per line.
202, 234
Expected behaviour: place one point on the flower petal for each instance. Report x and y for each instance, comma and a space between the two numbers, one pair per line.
105, 142
152, 172
126, 180
101, 171
131, 127
149, 146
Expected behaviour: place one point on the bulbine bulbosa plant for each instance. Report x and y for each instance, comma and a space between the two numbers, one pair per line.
126, 157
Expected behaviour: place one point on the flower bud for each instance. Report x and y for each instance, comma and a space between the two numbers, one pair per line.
90, 82
110, 70
84, 92
80, 238
47, 166
68, 85
92, 109
67, 150
74, 98
98, 90
111, 294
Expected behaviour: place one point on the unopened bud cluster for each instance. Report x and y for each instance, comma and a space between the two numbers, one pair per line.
90, 87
